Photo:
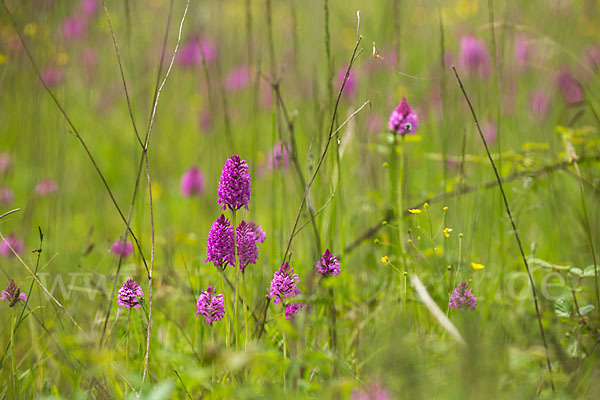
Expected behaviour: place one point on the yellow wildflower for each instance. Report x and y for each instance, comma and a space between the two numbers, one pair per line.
477, 266
414, 210
447, 232
385, 259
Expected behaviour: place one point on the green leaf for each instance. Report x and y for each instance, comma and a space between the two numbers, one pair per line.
563, 308
576, 271
586, 309
545, 264
589, 271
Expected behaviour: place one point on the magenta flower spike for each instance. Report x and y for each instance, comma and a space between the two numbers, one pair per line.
292, 309
234, 186
210, 305
246, 244
474, 57
283, 284
12, 294
327, 265
118, 249
130, 294
8, 242
219, 249
403, 120
192, 182
462, 299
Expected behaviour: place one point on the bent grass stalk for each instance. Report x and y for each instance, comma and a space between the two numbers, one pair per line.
514, 227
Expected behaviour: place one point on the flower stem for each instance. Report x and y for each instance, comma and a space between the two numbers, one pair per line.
245, 297
236, 284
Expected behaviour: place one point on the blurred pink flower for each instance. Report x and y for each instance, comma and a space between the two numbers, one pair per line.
89, 7
6, 163
571, 89
278, 156
192, 182
190, 54
374, 124
539, 104
89, 57
350, 87
74, 27
52, 75
205, 120
45, 187
118, 249
591, 57
474, 57
524, 51
237, 79
6, 196
8, 242
373, 391
490, 131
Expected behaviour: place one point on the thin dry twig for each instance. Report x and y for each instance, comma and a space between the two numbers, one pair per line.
355, 54
516, 232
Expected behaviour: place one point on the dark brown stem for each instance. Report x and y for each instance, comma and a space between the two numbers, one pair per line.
516, 232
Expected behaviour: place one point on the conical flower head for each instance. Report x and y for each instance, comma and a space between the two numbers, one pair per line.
234, 186
462, 299
219, 249
246, 244
9, 242
210, 305
258, 232
403, 119
283, 284
192, 182
328, 265
130, 294
292, 309
119, 248
13, 294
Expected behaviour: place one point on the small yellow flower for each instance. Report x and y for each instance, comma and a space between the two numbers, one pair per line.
62, 58
477, 266
2, 59
447, 232
30, 29
409, 241
419, 237
445, 208
426, 205
384, 223
414, 210
460, 235
385, 259
386, 164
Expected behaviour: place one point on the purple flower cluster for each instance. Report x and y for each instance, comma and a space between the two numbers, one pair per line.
246, 245
219, 249
373, 391
130, 294
283, 284
234, 186
474, 57
278, 157
403, 120
258, 232
8, 242
192, 182
210, 305
328, 265
462, 299
13, 294
118, 249
292, 309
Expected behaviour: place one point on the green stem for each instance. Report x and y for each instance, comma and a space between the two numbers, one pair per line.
236, 284
245, 297
227, 323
